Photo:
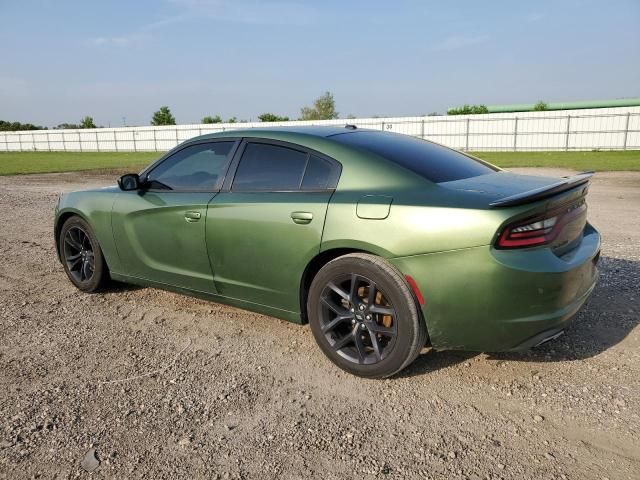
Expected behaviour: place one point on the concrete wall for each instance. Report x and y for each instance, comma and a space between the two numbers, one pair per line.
602, 128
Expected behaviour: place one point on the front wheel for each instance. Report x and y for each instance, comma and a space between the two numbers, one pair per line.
81, 255
364, 317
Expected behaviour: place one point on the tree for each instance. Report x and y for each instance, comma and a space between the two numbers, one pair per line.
17, 126
468, 109
87, 122
324, 108
163, 117
540, 106
67, 126
210, 119
232, 120
272, 117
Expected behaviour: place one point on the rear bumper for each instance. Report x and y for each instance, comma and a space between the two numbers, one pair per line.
492, 300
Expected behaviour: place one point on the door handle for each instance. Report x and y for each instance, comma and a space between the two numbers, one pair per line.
301, 218
192, 216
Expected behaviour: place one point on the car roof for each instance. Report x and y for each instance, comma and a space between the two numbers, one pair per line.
308, 130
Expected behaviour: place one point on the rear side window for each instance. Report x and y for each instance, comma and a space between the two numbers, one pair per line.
269, 167
318, 175
430, 160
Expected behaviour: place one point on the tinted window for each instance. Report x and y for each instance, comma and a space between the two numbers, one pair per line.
198, 167
269, 167
430, 160
318, 174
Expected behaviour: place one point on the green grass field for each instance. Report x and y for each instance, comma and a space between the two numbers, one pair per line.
14, 163
48, 162
580, 161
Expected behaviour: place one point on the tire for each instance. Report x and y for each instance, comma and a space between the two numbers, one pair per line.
364, 316
81, 255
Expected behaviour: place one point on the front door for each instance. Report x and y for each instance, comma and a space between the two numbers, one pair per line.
160, 230
266, 227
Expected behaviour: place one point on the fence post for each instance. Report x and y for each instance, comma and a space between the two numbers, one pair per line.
176, 135
155, 142
566, 140
20, 141
422, 129
466, 142
64, 142
515, 135
382, 126
48, 142
80, 141
133, 135
626, 131
115, 140
97, 141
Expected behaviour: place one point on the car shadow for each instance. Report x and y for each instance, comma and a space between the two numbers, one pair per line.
114, 286
605, 320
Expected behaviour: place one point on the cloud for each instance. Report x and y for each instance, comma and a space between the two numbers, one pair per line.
117, 41
250, 11
133, 38
233, 11
457, 42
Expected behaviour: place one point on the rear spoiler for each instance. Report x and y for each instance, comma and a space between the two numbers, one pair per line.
543, 192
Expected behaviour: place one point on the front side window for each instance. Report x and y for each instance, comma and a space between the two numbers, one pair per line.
198, 167
269, 167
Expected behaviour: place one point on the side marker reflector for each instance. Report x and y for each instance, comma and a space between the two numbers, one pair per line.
414, 287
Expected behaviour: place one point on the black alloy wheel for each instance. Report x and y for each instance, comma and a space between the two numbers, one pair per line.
81, 255
364, 316
357, 320
78, 254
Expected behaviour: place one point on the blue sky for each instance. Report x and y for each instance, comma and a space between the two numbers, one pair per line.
61, 60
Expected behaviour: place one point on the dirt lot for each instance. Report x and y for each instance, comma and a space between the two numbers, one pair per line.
166, 386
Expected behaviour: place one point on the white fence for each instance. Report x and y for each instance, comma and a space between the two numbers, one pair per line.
590, 129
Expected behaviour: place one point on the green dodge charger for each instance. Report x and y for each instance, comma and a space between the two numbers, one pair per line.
383, 243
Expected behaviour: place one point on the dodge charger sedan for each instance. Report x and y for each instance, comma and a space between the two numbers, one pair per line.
383, 243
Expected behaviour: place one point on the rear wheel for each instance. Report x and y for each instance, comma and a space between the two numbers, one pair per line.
81, 255
364, 317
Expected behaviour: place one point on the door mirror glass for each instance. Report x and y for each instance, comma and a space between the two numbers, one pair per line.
129, 182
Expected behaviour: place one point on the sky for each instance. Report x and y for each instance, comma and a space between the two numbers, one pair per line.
119, 61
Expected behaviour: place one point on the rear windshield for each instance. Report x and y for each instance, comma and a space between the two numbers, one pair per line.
430, 160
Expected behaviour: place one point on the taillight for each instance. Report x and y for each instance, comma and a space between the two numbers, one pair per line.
540, 230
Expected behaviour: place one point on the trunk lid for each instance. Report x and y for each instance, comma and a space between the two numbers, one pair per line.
533, 198
505, 189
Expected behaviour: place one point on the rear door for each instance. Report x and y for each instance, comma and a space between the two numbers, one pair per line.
266, 224
160, 230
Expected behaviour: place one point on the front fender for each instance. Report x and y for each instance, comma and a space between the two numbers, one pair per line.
94, 207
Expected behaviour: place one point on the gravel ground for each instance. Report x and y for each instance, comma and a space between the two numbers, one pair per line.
140, 383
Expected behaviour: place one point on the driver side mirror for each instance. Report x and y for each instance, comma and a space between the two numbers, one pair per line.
129, 182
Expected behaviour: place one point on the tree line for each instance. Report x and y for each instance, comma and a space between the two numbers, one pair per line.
86, 122
323, 108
